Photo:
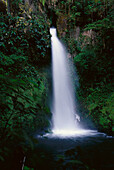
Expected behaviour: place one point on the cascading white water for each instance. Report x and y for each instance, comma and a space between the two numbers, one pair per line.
63, 108
65, 124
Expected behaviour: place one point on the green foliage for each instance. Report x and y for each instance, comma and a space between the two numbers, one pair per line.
27, 168
72, 44
88, 70
30, 36
24, 44
83, 12
100, 24
20, 105
14, 5
39, 39
11, 35
96, 73
100, 103
23, 104
43, 2
95, 69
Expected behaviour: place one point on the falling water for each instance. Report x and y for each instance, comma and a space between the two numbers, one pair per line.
63, 108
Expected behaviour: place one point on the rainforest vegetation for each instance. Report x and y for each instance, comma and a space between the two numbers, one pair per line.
86, 28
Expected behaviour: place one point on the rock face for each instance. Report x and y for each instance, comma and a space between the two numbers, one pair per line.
89, 34
62, 25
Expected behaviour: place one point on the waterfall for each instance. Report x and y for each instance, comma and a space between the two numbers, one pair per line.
63, 106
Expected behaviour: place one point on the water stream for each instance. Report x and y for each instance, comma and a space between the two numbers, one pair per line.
65, 118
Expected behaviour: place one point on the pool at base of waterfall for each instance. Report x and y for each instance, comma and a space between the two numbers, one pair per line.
85, 152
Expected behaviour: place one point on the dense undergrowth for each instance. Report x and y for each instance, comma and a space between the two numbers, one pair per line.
24, 45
